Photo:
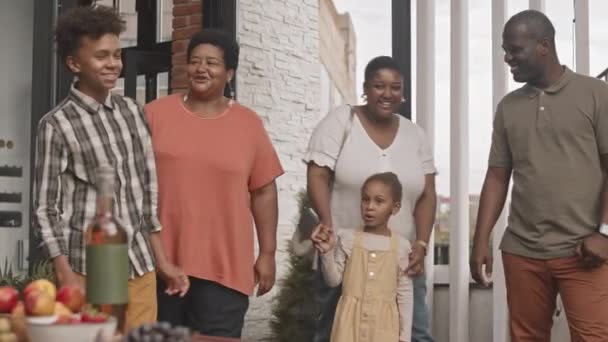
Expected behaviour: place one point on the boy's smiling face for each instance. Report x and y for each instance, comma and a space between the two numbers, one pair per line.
98, 64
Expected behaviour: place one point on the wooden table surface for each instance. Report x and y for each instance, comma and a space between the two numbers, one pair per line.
202, 338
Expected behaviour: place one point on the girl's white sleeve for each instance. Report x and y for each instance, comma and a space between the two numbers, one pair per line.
334, 261
405, 294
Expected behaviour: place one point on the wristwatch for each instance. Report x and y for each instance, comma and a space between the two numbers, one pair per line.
603, 229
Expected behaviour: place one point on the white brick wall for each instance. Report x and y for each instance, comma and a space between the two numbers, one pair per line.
279, 77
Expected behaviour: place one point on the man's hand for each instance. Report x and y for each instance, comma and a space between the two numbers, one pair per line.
323, 238
176, 280
415, 265
265, 270
480, 256
593, 250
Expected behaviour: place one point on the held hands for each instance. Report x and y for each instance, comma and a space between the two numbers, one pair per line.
177, 281
593, 250
415, 265
324, 238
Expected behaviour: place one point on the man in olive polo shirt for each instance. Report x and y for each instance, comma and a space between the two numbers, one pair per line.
551, 135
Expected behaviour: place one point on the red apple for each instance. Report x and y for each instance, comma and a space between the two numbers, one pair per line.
42, 285
72, 297
39, 303
8, 299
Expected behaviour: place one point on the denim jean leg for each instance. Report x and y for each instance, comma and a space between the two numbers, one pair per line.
327, 299
420, 327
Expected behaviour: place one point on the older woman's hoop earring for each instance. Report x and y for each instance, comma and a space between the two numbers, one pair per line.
231, 90
364, 97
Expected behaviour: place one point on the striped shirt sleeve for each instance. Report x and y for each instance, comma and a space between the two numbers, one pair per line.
51, 162
150, 205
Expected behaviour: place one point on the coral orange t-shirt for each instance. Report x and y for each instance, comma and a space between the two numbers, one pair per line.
207, 168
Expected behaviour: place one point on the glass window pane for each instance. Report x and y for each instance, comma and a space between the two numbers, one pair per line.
127, 11
163, 84
166, 20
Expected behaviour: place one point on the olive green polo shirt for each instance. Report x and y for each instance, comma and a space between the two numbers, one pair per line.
552, 139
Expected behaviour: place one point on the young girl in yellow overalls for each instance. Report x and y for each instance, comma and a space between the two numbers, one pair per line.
376, 302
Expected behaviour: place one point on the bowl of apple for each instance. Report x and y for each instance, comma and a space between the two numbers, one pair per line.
53, 315
83, 327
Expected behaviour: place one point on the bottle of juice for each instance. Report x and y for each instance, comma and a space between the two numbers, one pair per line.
107, 259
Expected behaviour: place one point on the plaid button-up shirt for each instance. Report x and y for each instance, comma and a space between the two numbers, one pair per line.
73, 140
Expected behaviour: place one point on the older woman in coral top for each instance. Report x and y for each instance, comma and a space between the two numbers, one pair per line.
216, 169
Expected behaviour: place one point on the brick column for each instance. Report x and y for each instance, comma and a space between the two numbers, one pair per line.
186, 22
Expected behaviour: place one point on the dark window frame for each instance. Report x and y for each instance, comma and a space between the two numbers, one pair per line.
402, 49
50, 84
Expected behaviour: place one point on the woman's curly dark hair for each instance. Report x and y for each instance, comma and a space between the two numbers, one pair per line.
220, 39
89, 21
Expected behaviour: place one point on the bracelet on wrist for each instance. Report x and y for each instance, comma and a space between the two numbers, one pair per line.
423, 244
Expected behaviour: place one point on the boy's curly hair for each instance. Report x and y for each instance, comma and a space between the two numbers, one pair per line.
89, 21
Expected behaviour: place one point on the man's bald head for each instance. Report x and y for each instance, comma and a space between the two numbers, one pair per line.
535, 23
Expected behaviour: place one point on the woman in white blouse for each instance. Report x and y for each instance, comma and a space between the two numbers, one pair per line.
352, 143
